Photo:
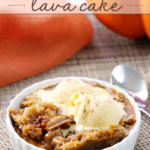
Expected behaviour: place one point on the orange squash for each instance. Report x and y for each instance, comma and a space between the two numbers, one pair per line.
146, 24
31, 46
127, 25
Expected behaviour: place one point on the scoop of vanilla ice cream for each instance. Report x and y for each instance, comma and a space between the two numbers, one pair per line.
65, 90
94, 112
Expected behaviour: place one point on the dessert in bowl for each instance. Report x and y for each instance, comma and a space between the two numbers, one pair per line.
73, 114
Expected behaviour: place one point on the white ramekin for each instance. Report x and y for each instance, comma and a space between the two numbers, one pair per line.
20, 144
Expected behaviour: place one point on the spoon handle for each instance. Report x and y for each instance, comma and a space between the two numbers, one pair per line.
145, 111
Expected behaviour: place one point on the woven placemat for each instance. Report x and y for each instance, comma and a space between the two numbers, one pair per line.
96, 60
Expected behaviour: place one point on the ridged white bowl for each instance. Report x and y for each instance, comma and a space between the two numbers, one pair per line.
20, 144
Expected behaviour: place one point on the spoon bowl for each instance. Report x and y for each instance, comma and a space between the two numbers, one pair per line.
130, 80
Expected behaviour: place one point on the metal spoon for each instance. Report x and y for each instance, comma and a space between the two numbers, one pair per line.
130, 80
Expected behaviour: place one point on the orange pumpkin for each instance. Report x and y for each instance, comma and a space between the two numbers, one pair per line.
31, 46
127, 25
146, 24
